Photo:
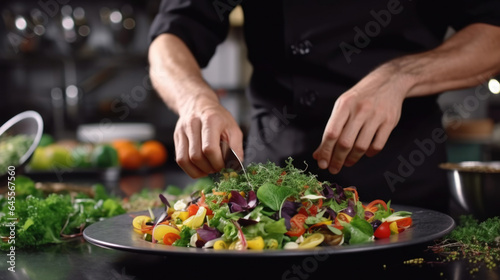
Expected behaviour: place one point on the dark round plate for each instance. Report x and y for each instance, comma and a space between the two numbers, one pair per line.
117, 233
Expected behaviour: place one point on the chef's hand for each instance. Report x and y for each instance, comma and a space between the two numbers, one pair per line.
202, 124
362, 120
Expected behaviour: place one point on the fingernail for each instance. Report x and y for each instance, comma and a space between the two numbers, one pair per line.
323, 164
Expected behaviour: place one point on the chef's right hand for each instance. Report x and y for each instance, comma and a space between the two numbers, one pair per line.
203, 123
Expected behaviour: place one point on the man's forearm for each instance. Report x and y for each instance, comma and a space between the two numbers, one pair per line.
175, 74
466, 59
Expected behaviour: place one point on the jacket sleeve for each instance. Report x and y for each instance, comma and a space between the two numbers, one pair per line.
200, 24
475, 11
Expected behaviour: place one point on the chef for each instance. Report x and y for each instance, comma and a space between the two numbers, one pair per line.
347, 89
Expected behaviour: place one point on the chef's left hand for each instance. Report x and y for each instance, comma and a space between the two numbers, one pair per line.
362, 119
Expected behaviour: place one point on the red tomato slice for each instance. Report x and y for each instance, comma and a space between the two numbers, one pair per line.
192, 209
170, 238
313, 210
383, 231
404, 223
297, 225
303, 211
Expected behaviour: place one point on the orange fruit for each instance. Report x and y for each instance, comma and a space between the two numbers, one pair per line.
121, 142
154, 153
128, 154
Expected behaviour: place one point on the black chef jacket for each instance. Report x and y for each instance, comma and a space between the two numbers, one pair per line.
306, 53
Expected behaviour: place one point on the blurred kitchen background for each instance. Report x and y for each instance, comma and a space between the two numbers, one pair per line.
85, 62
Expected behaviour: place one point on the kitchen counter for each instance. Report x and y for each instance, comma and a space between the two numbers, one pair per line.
77, 259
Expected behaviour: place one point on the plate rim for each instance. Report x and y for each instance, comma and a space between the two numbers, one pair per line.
159, 249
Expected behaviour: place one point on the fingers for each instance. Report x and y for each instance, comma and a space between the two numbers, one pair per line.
182, 156
210, 146
362, 144
334, 127
350, 134
380, 140
197, 141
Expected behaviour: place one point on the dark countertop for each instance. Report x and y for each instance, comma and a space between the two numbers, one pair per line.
78, 259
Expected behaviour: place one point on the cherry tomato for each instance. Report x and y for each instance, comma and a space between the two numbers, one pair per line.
170, 238
383, 231
297, 225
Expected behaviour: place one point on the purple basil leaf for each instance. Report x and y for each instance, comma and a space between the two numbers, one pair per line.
339, 194
234, 207
237, 198
207, 233
327, 191
368, 215
330, 214
246, 222
164, 200
375, 224
288, 210
350, 209
251, 200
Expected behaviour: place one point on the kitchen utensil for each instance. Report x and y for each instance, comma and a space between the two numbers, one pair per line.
475, 186
231, 161
28, 123
117, 233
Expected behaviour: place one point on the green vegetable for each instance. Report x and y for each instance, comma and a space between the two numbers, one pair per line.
479, 242
25, 186
12, 148
470, 230
275, 226
186, 233
357, 231
104, 156
311, 220
382, 213
43, 220
46, 140
273, 196
40, 220
81, 156
173, 190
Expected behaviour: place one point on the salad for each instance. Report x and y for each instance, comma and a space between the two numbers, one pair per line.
271, 207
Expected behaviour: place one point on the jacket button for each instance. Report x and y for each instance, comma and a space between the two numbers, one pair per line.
301, 48
308, 98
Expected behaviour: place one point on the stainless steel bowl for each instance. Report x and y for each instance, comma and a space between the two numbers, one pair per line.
28, 123
475, 186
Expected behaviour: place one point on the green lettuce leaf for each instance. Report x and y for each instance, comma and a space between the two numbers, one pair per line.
273, 196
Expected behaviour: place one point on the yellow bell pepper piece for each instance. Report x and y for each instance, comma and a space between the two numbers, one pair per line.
196, 220
183, 215
394, 227
256, 243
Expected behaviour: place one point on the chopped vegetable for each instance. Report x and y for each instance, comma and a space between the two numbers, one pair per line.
277, 208
50, 219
